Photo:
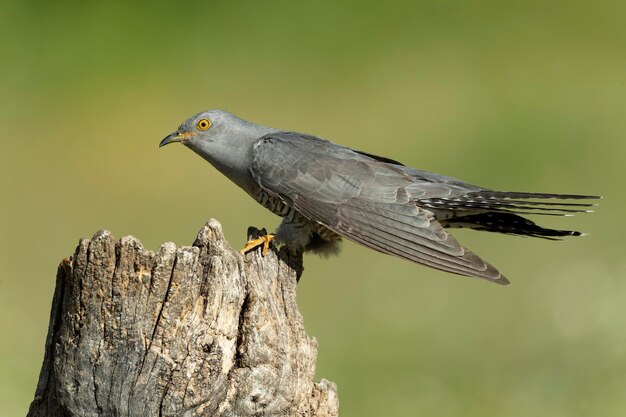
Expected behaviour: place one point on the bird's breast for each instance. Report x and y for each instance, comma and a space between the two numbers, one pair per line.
273, 204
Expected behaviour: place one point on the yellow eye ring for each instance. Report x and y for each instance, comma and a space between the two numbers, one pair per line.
203, 124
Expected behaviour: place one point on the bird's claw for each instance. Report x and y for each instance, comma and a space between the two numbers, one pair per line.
254, 243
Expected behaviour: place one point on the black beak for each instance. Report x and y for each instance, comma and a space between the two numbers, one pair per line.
172, 137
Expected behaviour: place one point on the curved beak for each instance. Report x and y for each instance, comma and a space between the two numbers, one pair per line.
172, 137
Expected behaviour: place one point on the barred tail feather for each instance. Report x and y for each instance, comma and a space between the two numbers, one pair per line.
513, 202
507, 223
498, 195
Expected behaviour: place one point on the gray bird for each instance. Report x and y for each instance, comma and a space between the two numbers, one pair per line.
324, 191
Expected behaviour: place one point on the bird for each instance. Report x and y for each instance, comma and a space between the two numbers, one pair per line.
325, 192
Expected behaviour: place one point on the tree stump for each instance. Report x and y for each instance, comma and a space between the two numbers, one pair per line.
190, 331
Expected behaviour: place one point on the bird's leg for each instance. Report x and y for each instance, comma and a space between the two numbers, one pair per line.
257, 238
263, 240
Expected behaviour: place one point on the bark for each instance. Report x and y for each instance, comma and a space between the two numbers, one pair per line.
190, 331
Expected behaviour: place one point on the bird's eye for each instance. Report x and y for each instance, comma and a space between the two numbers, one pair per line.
203, 124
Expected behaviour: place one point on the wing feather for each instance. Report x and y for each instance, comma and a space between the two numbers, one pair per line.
361, 198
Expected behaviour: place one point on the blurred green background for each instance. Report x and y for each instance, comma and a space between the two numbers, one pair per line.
527, 96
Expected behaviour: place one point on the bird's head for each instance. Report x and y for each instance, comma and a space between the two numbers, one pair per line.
207, 126
221, 138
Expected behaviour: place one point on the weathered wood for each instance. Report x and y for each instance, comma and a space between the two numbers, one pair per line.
190, 331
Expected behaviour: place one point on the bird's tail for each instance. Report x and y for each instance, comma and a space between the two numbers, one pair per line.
507, 223
497, 211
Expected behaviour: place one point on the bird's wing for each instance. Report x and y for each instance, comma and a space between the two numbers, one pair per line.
363, 199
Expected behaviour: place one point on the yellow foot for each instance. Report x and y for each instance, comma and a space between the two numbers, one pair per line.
254, 243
